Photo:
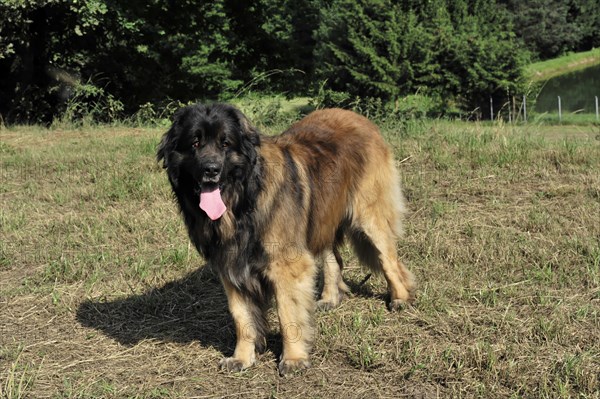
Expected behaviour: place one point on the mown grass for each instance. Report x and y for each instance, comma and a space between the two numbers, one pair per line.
545, 70
567, 118
102, 296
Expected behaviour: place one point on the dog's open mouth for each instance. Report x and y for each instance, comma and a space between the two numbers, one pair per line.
210, 200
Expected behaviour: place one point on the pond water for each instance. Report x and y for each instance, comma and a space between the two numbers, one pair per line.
576, 90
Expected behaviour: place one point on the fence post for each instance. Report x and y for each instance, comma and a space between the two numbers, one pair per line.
492, 108
597, 115
559, 110
524, 108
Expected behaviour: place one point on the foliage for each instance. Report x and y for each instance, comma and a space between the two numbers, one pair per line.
453, 52
360, 48
550, 28
32, 35
329, 98
55, 53
419, 106
89, 104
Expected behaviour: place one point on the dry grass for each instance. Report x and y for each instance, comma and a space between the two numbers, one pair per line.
101, 295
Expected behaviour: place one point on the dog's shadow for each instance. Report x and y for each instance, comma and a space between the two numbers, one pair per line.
191, 309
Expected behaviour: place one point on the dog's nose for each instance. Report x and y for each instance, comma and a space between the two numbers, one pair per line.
212, 169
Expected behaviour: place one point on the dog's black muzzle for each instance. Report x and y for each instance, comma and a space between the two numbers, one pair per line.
211, 172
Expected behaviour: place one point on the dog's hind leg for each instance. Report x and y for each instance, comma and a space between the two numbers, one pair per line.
376, 249
376, 224
334, 287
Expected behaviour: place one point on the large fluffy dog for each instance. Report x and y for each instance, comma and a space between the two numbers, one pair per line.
261, 209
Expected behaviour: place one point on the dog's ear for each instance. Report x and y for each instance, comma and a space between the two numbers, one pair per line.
168, 143
250, 135
162, 149
166, 148
248, 131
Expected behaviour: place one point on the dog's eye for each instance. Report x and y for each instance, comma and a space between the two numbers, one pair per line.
225, 144
196, 144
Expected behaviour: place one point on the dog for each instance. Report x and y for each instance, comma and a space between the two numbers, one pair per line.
262, 209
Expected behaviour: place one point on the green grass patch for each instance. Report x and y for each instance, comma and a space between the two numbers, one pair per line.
545, 70
567, 118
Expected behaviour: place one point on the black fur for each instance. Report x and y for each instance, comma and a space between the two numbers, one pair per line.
295, 180
240, 258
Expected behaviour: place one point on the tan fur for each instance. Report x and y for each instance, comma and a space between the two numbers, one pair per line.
244, 355
294, 292
334, 287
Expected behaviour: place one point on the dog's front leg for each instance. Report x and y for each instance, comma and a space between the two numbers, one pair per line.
293, 281
249, 328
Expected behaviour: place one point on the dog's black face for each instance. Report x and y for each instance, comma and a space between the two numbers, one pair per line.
208, 147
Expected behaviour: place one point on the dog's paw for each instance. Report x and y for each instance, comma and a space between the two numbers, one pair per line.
287, 367
324, 305
232, 365
398, 305
333, 302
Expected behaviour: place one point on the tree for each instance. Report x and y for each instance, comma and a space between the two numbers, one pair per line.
360, 48
122, 55
37, 56
477, 55
453, 50
550, 28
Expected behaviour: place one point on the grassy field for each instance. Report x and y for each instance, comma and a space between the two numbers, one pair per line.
101, 295
570, 118
545, 70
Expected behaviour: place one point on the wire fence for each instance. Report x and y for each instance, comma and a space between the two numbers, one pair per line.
517, 109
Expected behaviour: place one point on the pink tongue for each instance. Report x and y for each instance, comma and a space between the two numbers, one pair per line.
212, 204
